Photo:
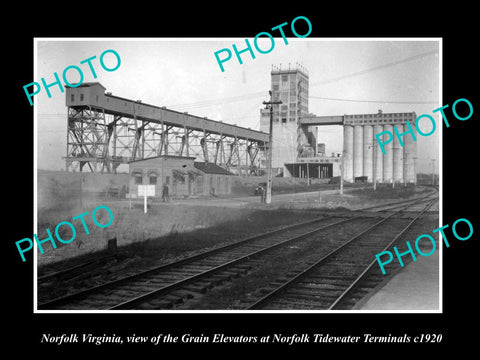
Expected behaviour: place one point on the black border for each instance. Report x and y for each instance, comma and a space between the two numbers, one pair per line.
460, 71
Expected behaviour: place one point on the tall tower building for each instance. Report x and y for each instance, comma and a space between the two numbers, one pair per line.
289, 140
295, 150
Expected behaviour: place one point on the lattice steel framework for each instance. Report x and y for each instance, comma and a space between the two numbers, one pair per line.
105, 141
87, 140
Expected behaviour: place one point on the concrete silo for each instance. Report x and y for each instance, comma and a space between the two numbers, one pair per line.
410, 153
388, 156
397, 156
368, 152
357, 151
348, 153
377, 129
362, 153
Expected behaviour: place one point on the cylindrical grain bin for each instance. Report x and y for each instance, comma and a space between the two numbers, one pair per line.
397, 155
388, 156
377, 129
368, 152
348, 153
357, 151
410, 152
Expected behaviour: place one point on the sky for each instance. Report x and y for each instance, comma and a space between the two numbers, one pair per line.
346, 76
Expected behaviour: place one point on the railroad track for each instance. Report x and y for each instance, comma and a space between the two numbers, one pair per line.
170, 284
77, 270
330, 282
399, 204
113, 294
417, 205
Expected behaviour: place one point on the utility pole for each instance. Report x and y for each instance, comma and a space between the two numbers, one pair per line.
342, 167
374, 167
269, 105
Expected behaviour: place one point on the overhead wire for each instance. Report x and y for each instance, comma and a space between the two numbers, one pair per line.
249, 96
253, 95
374, 101
375, 68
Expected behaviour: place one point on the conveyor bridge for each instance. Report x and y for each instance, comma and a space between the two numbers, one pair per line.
105, 131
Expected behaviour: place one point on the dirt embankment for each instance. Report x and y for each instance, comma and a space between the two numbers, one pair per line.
166, 231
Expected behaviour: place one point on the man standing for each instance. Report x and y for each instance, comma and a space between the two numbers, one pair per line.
165, 196
262, 193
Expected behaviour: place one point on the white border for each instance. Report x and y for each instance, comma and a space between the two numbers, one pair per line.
35, 178
35, 182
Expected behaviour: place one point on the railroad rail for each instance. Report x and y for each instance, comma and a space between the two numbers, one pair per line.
399, 204
245, 246
76, 270
166, 285
328, 282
